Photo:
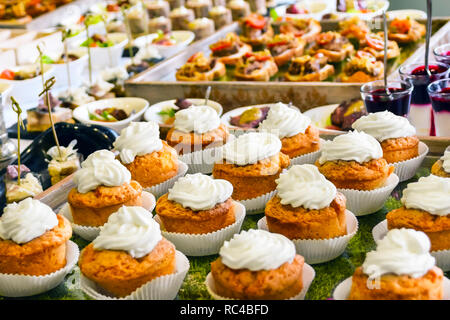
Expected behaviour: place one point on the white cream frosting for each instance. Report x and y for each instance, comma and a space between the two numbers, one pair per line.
138, 139
384, 125
431, 194
284, 121
446, 161
100, 169
357, 146
304, 186
118, 73
257, 250
198, 119
251, 147
200, 192
28, 219
130, 229
400, 252
67, 153
180, 11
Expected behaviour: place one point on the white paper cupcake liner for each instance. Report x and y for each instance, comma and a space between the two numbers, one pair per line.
163, 187
90, 233
318, 251
307, 277
363, 202
205, 244
258, 204
342, 291
405, 170
161, 288
442, 256
307, 158
16, 285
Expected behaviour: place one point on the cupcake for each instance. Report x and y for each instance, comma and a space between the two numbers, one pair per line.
150, 160
197, 204
200, 7
442, 166
201, 27
181, 17
128, 253
354, 161
33, 239
137, 17
221, 16
401, 268
307, 206
426, 207
103, 185
252, 163
396, 135
298, 136
258, 265
197, 128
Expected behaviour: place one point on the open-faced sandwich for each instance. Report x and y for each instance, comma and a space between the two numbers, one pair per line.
284, 47
307, 29
256, 30
256, 66
362, 67
374, 44
405, 30
354, 28
332, 45
309, 68
229, 50
200, 68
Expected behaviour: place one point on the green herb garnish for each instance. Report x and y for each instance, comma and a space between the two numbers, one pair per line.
168, 113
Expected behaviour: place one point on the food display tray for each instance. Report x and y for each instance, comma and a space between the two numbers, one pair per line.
328, 274
159, 84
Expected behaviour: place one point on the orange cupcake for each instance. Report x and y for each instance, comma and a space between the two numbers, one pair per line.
103, 185
150, 160
128, 253
33, 239
401, 268
252, 163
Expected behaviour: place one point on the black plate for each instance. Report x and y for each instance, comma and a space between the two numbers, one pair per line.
90, 138
24, 134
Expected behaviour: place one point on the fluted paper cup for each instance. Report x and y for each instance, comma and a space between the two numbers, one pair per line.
17, 285
205, 244
317, 251
258, 204
161, 288
364, 202
307, 277
405, 170
90, 233
307, 158
163, 187
442, 256
342, 291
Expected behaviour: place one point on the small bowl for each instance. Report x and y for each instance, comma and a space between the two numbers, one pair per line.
139, 105
407, 13
320, 116
316, 9
182, 39
381, 6
27, 91
76, 68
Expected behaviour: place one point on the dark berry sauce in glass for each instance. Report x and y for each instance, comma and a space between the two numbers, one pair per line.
377, 101
441, 103
421, 81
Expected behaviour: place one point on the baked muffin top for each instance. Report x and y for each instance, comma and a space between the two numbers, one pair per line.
384, 125
400, 252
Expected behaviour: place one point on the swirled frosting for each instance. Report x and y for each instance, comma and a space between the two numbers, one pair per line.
130, 229
446, 161
251, 147
257, 250
431, 194
401, 252
28, 219
100, 169
138, 139
304, 186
200, 192
198, 119
284, 121
357, 146
384, 125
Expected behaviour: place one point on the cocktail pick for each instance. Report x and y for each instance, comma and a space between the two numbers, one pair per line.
86, 25
385, 35
41, 62
428, 36
128, 31
16, 108
47, 86
66, 33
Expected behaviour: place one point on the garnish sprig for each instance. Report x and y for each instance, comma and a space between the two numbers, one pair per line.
16, 108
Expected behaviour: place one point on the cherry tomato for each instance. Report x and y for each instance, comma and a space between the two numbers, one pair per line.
400, 26
220, 45
365, 54
194, 57
255, 21
278, 43
375, 41
325, 38
7, 74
